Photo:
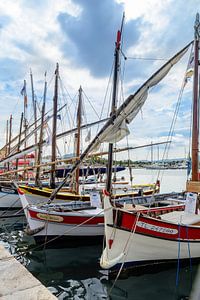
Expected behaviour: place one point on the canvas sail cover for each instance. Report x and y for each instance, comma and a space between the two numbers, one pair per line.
117, 128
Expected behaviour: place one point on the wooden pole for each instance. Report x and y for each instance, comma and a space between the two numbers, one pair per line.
195, 127
9, 140
19, 141
76, 158
25, 121
78, 137
39, 152
114, 103
54, 128
34, 110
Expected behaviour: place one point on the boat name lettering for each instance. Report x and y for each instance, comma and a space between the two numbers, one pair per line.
157, 228
50, 217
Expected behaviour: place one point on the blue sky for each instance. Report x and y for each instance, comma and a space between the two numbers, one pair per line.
80, 35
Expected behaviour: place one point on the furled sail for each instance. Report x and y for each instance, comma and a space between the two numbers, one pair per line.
116, 127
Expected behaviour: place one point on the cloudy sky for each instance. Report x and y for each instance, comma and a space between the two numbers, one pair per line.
80, 35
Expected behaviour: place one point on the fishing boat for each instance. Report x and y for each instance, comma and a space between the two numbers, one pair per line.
138, 236
50, 220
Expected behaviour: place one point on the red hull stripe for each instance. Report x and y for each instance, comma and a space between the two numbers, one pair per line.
158, 228
42, 216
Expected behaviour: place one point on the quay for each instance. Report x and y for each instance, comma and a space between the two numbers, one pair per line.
17, 283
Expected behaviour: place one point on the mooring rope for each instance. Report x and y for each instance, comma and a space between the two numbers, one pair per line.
126, 249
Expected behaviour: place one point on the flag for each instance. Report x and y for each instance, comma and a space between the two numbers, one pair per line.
191, 61
23, 90
190, 69
189, 165
23, 93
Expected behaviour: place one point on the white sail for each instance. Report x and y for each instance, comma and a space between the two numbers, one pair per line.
112, 131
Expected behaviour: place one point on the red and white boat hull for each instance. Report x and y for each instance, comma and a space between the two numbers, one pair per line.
65, 220
66, 224
138, 239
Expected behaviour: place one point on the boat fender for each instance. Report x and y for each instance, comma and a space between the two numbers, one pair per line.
29, 231
107, 264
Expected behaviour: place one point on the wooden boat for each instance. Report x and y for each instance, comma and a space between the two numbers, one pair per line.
138, 236
76, 219
66, 195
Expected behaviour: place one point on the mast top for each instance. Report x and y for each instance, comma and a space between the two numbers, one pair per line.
57, 69
119, 33
197, 27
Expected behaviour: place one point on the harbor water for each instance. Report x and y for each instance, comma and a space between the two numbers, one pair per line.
74, 272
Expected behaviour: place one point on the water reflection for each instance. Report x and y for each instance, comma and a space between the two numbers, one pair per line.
74, 273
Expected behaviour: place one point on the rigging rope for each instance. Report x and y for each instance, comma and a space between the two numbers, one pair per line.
172, 127
125, 251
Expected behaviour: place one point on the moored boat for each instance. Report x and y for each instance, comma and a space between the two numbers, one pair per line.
140, 237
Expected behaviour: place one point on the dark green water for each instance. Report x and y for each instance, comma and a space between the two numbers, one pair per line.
74, 273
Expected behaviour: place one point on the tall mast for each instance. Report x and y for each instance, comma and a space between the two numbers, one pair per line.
34, 109
9, 139
39, 152
7, 128
25, 119
195, 128
19, 140
78, 137
6, 150
55, 109
114, 101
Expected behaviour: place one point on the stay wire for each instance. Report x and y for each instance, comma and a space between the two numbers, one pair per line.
172, 127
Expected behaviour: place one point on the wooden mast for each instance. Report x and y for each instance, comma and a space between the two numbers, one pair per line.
19, 140
195, 129
6, 154
24, 93
193, 184
34, 110
55, 109
114, 102
9, 138
39, 152
78, 137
